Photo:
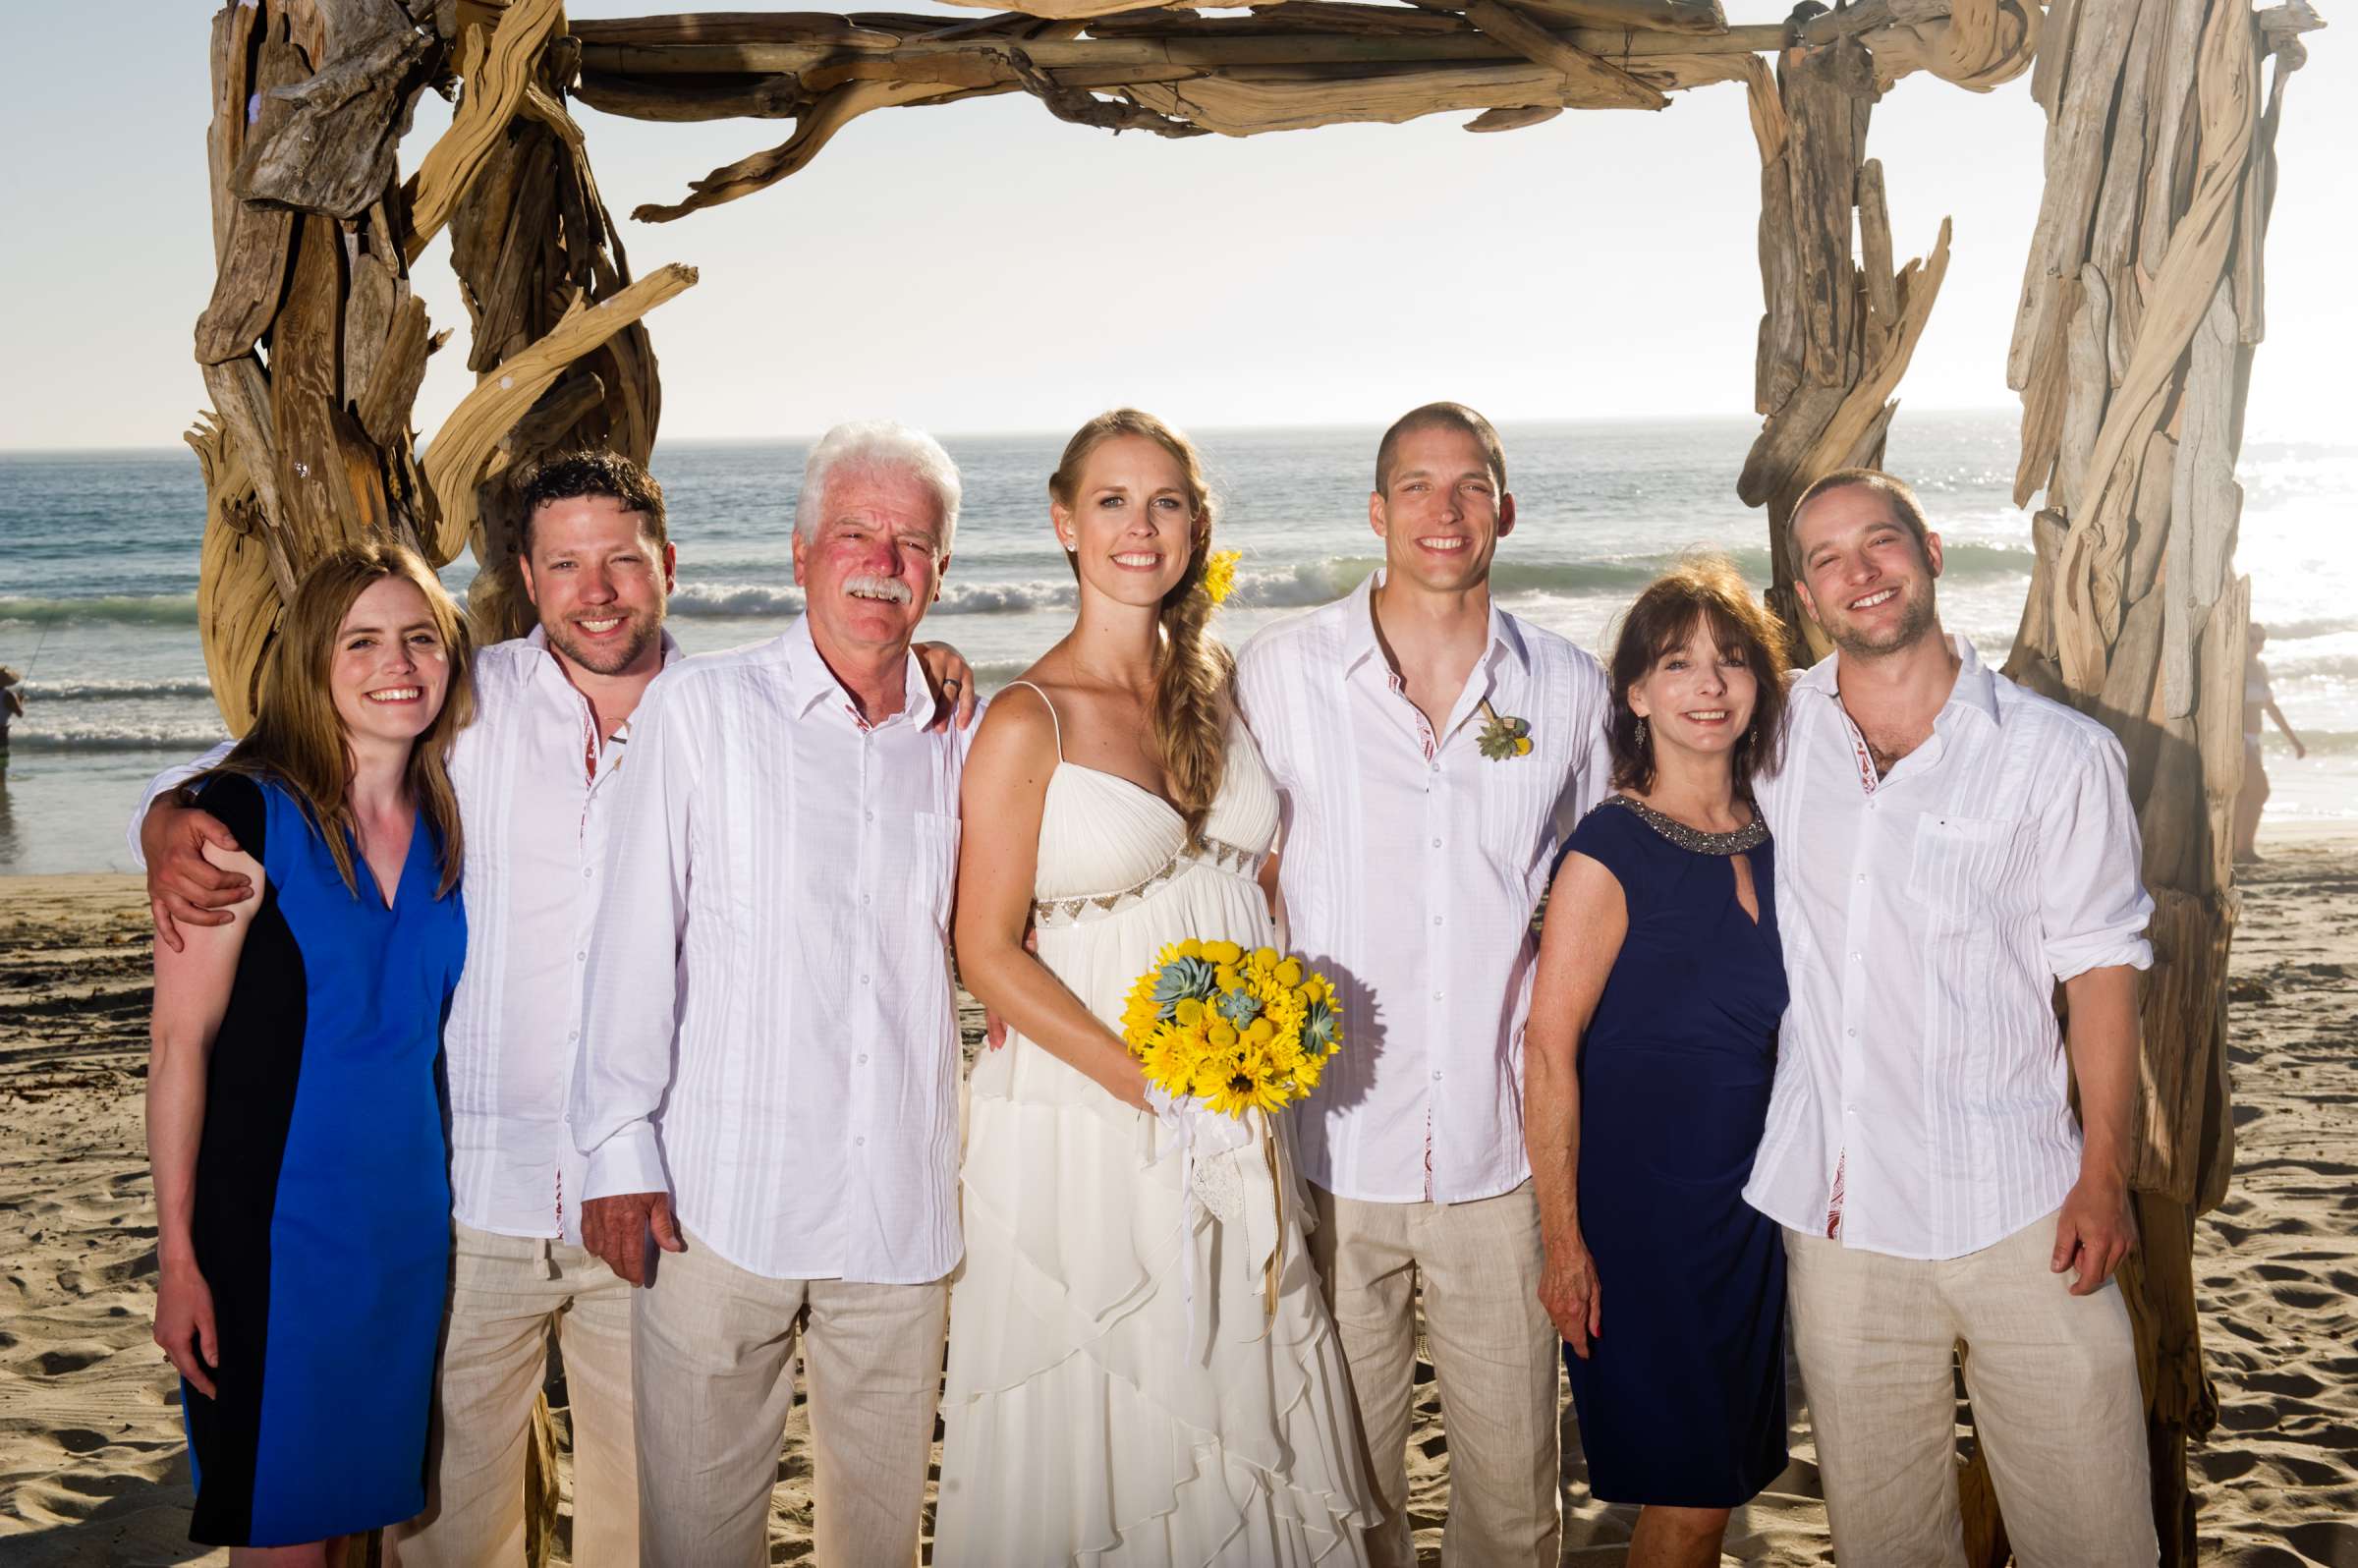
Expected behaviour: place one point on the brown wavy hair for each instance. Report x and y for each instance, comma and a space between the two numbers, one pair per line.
298, 740
1706, 590
1194, 674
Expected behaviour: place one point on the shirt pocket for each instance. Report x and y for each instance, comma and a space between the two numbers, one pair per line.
1957, 866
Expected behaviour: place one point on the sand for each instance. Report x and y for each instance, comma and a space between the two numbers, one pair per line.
93, 1469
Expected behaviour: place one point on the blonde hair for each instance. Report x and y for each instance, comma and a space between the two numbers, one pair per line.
1193, 672
299, 741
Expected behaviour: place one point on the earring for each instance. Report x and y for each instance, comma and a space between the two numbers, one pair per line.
1641, 733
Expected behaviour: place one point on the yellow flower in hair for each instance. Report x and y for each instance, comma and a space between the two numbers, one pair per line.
1219, 574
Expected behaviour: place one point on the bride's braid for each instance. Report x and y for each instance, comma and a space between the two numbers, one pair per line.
1195, 674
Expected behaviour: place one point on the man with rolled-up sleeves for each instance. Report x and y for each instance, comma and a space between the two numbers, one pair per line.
1951, 847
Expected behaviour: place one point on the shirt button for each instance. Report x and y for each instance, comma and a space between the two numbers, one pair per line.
1437, 996
574, 1035
1436, 1075
863, 899
1437, 919
863, 1058
589, 872
860, 1141
1852, 1033
1437, 843
863, 980
1862, 877
1854, 958
582, 957
868, 816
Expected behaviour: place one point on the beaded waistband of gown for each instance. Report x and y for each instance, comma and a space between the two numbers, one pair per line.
1209, 851
1748, 837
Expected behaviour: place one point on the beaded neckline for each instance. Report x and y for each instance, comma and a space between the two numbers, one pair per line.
1750, 836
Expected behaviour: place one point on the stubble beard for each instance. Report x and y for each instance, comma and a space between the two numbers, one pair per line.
614, 659
1916, 622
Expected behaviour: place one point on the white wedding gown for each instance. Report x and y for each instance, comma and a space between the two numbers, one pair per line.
1092, 1417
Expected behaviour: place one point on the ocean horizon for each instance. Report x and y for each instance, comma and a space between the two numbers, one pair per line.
98, 595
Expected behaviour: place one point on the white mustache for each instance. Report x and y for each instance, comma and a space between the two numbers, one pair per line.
870, 587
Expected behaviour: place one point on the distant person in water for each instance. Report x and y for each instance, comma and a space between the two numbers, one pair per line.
12, 707
2258, 700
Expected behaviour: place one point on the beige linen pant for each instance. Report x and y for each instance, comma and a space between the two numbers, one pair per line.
2053, 1379
716, 1379
509, 1294
1494, 1354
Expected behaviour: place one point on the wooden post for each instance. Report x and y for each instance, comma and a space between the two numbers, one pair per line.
1837, 329
313, 344
2140, 307
529, 238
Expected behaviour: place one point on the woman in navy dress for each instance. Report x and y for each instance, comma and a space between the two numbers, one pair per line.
1649, 1056
294, 1118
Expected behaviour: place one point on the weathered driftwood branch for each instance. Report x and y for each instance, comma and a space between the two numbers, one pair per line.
462, 453
311, 446
498, 69
1837, 333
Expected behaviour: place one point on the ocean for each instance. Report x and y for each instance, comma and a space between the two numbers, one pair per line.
98, 574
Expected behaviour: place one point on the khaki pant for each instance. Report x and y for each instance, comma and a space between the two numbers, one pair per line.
2053, 1379
714, 1349
1494, 1354
510, 1295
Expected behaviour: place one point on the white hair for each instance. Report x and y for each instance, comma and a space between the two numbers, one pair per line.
878, 446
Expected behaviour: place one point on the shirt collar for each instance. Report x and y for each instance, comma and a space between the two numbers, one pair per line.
1359, 629
810, 682
1976, 688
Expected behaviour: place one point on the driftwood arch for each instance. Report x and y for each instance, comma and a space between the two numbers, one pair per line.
2141, 305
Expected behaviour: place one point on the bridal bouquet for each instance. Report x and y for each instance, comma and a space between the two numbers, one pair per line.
1231, 1028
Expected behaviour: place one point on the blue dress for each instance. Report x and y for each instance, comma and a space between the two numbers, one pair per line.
323, 1197
1682, 1398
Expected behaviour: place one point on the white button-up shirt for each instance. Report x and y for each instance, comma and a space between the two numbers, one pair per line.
1927, 917
770, 1031
1410, 869
535, 788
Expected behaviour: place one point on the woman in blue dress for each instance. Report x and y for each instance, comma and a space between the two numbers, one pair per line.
294, 1118
1647, 1060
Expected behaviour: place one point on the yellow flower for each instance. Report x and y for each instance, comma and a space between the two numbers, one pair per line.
1187, 1013
1289, 972
1522, 745
1219, 574
1264, 957
1224, 953
1191, 948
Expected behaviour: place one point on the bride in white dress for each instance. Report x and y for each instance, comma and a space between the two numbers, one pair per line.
1123, 1388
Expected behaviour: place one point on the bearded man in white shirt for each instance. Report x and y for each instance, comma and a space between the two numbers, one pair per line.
536, 778
1953, 848
1430, 752
767, 1084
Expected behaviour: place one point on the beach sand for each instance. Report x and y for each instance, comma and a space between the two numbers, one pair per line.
93, 1469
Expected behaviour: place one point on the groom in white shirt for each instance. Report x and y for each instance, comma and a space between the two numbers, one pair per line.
767, 1084
1951, 848
1430, 752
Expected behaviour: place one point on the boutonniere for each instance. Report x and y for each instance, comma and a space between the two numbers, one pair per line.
1504, 736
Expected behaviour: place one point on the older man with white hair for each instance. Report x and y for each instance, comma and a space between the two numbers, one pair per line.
767, 1080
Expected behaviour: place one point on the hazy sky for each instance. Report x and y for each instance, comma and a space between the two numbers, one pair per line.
985, 267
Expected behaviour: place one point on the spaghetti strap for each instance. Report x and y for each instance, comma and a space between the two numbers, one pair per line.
1053, 718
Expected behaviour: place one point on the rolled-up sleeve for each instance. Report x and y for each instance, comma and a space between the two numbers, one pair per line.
629, 1017
2093, 903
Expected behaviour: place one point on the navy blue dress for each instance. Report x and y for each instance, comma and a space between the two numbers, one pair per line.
1682, 1398
322, 1200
